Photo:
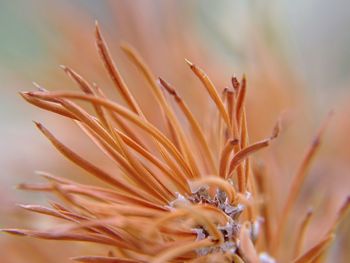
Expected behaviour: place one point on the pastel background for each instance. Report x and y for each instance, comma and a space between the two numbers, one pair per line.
295, 53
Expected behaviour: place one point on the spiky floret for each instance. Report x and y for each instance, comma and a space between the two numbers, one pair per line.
173, 199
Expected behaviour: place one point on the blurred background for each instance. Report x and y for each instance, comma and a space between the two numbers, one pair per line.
295, 54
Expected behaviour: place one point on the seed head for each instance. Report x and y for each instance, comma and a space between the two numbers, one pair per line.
174, 197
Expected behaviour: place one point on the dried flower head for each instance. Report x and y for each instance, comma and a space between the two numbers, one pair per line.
176, 197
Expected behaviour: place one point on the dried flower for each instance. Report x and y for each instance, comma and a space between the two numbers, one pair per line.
173, 199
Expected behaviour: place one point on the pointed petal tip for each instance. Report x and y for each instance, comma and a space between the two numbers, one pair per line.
162, 81
235, 83
189, 63
38, 172
97, 27
23, 94
310, 210
39, 88
63, 67
44, 174
276, 130
24, 206
346, 203
13, 231
38, 125
125, 46
98, 33
164, 84
35, 84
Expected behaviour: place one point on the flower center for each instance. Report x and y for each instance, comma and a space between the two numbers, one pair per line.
230, 231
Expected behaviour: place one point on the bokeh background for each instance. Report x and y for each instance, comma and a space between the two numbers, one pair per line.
295, 53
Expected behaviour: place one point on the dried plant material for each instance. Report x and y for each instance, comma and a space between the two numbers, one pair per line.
212, 91
340, 215
315, 251
105, 260
225, 155
302, 232
299, 179
197, 130
247, 246
170, 199
114, 73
